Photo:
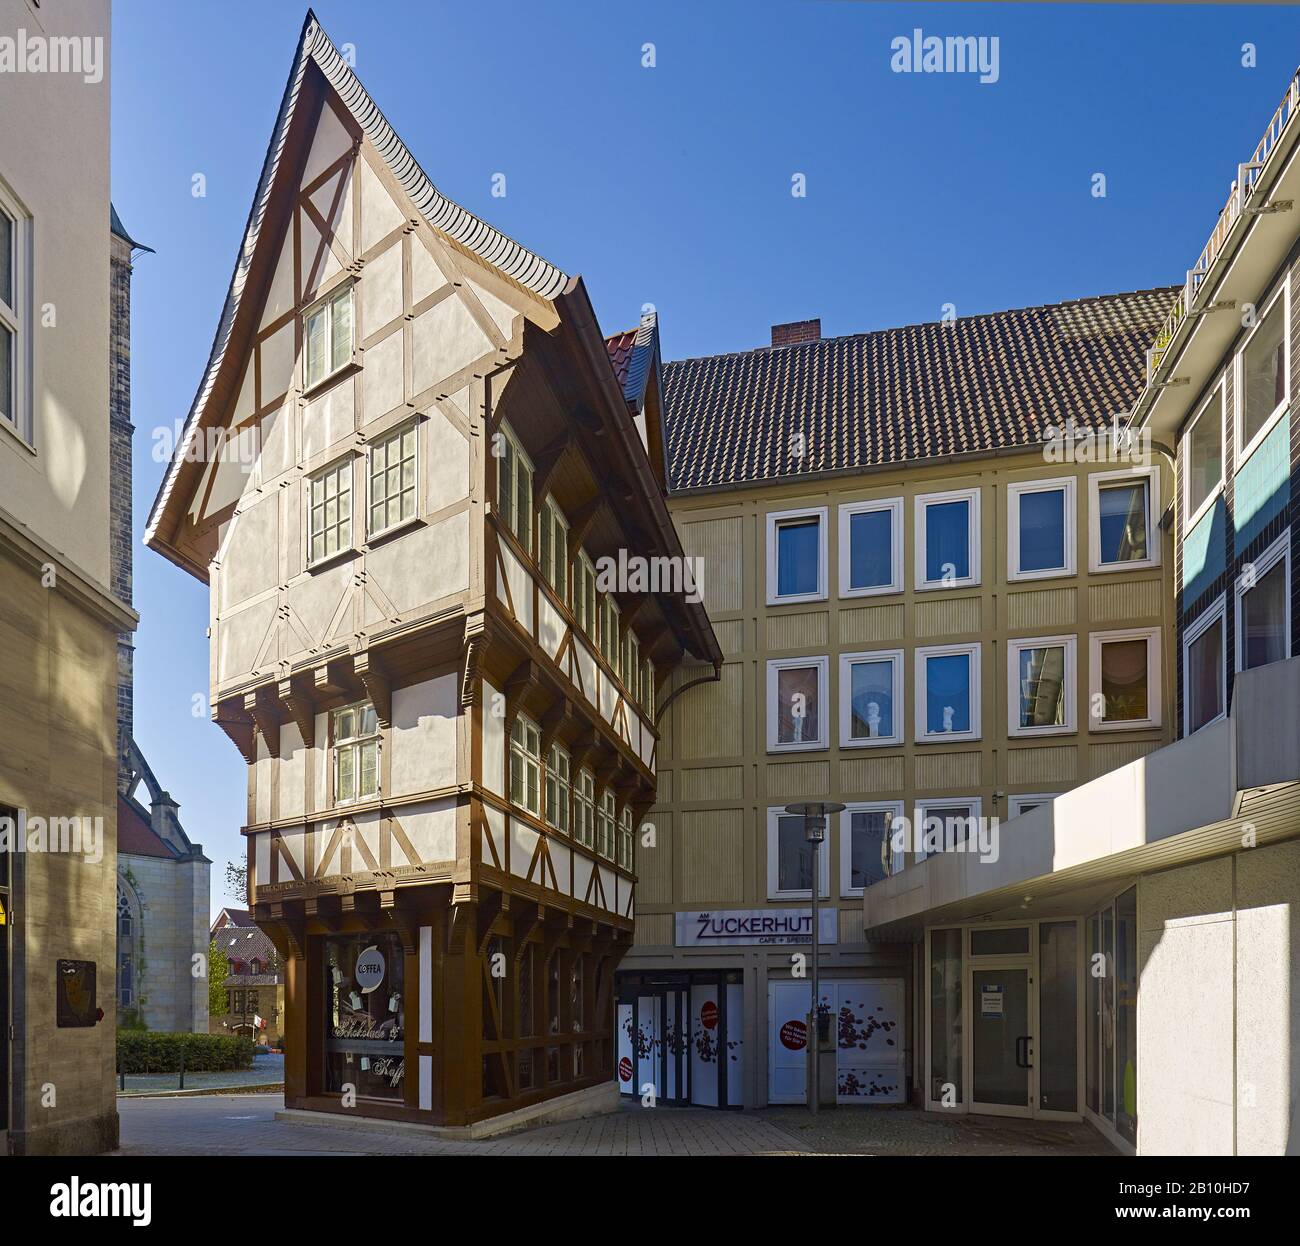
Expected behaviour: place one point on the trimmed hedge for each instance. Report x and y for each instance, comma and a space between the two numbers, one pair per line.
147, 1052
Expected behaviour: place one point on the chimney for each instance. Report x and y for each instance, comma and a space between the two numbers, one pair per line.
797, 332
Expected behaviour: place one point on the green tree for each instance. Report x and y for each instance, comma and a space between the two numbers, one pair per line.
237, 882
218, 972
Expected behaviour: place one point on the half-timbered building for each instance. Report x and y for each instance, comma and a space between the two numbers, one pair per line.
408, 458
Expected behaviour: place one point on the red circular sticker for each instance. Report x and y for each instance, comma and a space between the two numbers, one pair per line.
709, 1015
794, 1035
625, 1069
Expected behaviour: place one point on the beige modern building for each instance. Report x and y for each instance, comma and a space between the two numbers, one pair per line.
59, 621
943, 599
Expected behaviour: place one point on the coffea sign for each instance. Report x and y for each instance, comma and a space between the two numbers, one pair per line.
751, 926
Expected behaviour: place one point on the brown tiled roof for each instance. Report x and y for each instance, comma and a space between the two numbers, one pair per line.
971, 385
620, 353
135, 836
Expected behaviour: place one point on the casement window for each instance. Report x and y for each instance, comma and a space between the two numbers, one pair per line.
947, 539
1124, 679
796, 704
796, 556
1040, 685
356, 753
584, 808
525, 765
1122, 513
1202, 456
1040, 529
610, 642
330, 512
557, 789
871, 548
1016, 805
648, 687
327, 335
1205, 674
15, 326
625, 837
553, 548
1263, 597
391, 477
865, 833
948, 693
606, 818
871, 698
790, 858
1262, 375
584, 595
632, 664
945, 825
514, 487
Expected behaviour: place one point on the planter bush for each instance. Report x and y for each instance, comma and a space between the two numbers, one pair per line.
147, 1052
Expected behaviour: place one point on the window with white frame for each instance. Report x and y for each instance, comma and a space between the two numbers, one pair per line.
1122, 517
584, 595
948, 824
329, 513
865, 832
584, 808
790, 858
1203, 459
514, 486
327, 336
392, 480
557, 789
606, 819
526, 765
356, 753
1040, 529
796, 555
1205, 675
948, 692
648, 687
553, 548
625, 837
610, 641
871, 698
14, 316
947, 539
1262, 368
1027, 802
871, 547
1040, 685
1263, 596
631, 663
1124, 679
796, 704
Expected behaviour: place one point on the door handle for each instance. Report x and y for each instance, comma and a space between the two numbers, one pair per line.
1022, 1052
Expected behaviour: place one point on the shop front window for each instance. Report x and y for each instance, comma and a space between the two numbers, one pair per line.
365, 1005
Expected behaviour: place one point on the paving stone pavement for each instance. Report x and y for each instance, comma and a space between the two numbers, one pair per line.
245, 1124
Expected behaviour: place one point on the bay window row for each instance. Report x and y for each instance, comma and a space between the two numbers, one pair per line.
547, 788
543, 531
1123, 691
1123, 509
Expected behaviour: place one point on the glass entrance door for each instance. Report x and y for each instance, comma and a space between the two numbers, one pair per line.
1001, 1041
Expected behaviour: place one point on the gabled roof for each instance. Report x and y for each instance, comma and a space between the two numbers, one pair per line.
969, 386
135, 837
232, 917
630, 354
513, 260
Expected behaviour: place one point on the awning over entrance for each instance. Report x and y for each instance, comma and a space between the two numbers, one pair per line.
1233, 783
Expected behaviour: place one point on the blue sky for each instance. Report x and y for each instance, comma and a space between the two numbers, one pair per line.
672, 185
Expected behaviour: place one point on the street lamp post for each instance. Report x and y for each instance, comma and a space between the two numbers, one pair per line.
814, 814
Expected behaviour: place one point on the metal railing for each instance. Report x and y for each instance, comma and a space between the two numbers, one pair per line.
1232, 211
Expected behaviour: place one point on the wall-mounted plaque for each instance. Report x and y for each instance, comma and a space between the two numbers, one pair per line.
75, 993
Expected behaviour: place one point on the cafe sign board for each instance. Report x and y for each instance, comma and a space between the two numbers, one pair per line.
732, 927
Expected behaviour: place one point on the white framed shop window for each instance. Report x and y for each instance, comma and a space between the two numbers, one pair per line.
797, 706
871, 547
789, 858
1041, 688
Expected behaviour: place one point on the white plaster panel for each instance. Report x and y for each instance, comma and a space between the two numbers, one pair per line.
295, 844
381, 289
240, 639
278, 361
320, 760
586, 665
426, 997
523, 843
496, 829
447, 454
494, 756
280, 297
503, 315
431, 828
426, 1080
582, 868
262, 858
445, 339
276, 453
329, 418
315, 598
379, 214
423, 740
426, 276
561, 858
329, 142
339, 219
607, 878
384, 387
249, 562
293, 769
550, 626
521, 588
608, 696
424, 565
